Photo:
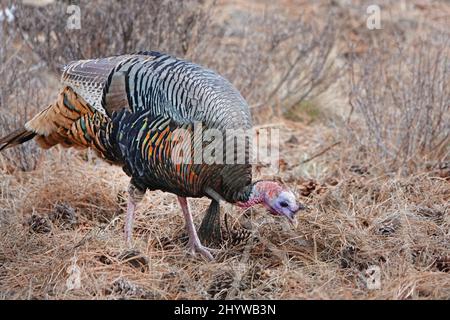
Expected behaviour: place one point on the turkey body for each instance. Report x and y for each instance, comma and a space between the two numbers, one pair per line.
147, 96
145, 145
128, 108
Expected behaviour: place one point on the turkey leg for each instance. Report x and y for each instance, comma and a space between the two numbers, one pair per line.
194, 242
135, 195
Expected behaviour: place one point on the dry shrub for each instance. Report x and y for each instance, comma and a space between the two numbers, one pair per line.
111, 28
276, 61
272, 59
22, 94
402, 94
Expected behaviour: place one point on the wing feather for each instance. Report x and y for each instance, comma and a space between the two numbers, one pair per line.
88, 78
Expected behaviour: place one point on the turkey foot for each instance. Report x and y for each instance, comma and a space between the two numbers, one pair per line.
195, 247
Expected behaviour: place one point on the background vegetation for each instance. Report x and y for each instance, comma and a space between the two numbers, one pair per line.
365, 139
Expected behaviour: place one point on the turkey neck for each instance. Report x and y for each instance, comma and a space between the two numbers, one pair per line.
250, 196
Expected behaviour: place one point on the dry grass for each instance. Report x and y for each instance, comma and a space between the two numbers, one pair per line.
62, 214
357, 218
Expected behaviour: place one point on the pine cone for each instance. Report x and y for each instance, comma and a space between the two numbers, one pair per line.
361, 170
443, 264
239, 236
39, 224
307, 187
444, 170
220, 285
64, 214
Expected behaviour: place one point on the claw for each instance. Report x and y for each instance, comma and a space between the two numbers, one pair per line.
204, 251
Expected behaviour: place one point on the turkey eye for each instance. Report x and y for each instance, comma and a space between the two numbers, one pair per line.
284, 204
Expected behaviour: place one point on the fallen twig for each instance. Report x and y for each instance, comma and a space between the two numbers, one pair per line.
321, 152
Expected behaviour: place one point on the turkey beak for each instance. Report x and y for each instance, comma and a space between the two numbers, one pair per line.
291, 215
291, 218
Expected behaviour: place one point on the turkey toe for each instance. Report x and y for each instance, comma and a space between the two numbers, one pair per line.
204, 251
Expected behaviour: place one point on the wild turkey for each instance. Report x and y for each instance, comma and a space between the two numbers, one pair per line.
127, 109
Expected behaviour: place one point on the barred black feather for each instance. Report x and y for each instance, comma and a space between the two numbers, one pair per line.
158, 86
127, 109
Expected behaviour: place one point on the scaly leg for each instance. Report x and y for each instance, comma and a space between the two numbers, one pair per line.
194, 242
135, 195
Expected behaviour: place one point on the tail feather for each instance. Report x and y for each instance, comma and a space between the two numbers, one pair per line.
70, 122
15, 138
